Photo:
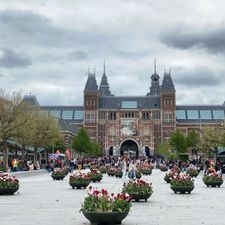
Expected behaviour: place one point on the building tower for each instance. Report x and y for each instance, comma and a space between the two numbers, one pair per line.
91, 100
104, 86
155, 87
168, 105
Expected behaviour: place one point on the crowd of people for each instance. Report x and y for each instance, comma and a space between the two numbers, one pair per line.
17, 164
128, 165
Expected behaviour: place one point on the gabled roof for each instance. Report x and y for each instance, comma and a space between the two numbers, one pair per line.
30, 100
167, 84
91, 84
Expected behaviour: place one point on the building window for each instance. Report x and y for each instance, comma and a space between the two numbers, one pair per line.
146, 116
102, 115
78, 115
67, 114
90, 117
56, 113
192, 114
112, 116
218, 114
168, 117
205, 114
180, 114
156, 115
129, 104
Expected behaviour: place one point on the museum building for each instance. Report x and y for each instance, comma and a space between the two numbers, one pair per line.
131, 124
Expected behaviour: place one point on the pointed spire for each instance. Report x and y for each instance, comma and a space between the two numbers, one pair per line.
104, 67
154, 65
155, 87
104, 86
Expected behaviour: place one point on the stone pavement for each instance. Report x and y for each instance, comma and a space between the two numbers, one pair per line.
43, 201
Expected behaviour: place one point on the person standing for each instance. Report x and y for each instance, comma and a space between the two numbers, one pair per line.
124, 169
132, 170
15, 164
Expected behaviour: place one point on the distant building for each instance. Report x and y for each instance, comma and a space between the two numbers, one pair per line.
131, 124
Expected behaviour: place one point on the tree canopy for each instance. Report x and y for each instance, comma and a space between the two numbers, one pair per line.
83, 144
178, 142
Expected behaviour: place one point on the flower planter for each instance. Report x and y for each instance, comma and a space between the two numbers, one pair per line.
182, 190
167, 179
216, 182
8, 190
58, 177
137, 197
110, 173
193, 173
96, 179
105, 217
163, 169
103, 170
79, 185
146, 171
118, 174
95, 176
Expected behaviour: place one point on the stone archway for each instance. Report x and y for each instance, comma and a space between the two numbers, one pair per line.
147, 151
111, 150
129, 147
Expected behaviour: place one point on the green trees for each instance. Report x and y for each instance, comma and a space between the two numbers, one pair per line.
83, 145
24, 124
212, 138
193, 140
178, 142
14, 114
164, 149
46, 131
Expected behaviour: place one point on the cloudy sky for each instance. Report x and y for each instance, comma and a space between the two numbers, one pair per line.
47, 46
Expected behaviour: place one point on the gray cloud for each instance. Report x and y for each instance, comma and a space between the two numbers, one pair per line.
13, 59
32, 28
78, 55
2, 75
28, 28
63, 39
183, 37
197, 77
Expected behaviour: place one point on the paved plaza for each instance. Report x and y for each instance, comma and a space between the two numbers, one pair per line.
43, 201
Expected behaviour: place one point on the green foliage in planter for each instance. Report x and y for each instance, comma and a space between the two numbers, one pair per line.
79, 178
192, 172
138, 187
95, 175
145, 171
7, 181
182, 181
212, 179
101, 201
